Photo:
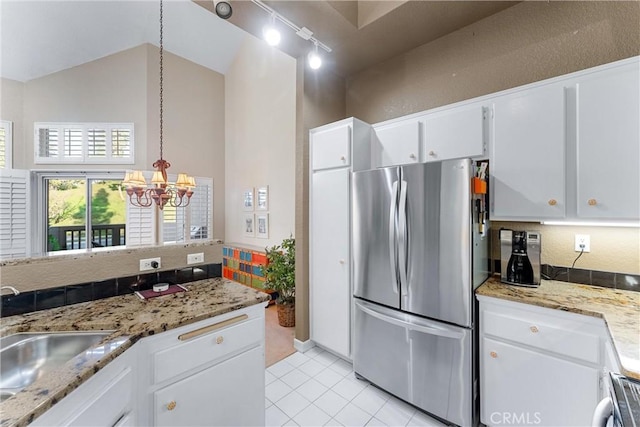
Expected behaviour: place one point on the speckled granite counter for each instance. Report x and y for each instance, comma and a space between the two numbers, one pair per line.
619, 309
131, 318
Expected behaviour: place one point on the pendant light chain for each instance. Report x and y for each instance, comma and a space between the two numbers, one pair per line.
161, 78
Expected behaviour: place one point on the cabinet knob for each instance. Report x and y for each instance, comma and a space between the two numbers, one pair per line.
592, 202
219, 340
343, 158
493, 354
171, 405
341, 261
534, 329
553, 202
432, 153
412, 156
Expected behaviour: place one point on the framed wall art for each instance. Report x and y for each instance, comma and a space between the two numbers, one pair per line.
262, 226
262, 198
248, 224
247, 200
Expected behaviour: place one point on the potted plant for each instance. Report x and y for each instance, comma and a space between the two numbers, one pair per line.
280, 276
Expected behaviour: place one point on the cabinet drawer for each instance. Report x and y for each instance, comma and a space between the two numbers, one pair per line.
205, 348
552, 334
331, 148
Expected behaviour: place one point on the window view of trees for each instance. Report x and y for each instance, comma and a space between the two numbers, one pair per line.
67, 213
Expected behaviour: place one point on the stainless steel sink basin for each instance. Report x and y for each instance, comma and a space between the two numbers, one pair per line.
25, 357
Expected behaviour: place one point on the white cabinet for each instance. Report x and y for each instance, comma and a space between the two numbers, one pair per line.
106, 399
330, 290
454, 133
398, 143
608, 144
208, 373
527, 159
331, 148
224, 394
538, 366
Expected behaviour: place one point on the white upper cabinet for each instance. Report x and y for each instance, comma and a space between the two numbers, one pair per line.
608, 144
455, 133
527, 158
398, 143
331, 148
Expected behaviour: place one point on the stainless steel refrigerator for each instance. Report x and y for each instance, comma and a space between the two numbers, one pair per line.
418, 255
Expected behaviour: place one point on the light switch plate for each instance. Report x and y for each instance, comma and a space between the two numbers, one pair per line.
195, 258
583, 243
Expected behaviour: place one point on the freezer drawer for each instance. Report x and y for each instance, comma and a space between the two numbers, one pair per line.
424, 362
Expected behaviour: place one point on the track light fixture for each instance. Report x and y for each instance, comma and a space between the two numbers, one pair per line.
272, 35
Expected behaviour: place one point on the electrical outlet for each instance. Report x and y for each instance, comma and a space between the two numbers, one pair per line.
150, 264
195, 258
583, 243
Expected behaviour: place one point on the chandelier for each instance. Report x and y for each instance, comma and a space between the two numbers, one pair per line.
161, 191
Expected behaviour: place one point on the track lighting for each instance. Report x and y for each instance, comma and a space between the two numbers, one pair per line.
271, 33
315, 60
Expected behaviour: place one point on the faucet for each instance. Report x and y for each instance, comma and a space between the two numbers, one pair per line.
11, 288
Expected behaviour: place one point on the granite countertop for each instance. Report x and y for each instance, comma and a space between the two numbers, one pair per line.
619, 309
130, 318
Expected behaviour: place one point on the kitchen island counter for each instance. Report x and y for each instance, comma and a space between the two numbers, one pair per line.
131, 319
619, 309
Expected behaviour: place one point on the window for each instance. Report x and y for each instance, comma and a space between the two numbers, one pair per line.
6, 144
96, 143
86, 210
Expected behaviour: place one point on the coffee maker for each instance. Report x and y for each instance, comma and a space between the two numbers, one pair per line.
520, 257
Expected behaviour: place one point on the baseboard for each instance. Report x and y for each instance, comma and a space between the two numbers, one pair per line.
303, 346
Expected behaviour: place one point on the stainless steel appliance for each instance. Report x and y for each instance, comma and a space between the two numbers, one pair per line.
520, 257
622, 407
418, 255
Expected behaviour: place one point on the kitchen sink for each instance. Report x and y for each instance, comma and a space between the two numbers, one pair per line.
25, 357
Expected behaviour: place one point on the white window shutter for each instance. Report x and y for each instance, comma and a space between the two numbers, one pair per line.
141, 224
6, 144
14, 213
200, 220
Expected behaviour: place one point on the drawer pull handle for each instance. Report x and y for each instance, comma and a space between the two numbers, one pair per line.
552, 202
188, 335
171, 405
219, 340
592, 202
534, 329
493, 354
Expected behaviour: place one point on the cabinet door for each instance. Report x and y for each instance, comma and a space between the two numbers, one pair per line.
528, 155
330, 148
398, 143
454, 134
230, 393
524, 387
609, 145
330, 291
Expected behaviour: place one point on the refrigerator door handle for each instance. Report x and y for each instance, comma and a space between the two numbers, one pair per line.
393, 247
393, 318
402, 239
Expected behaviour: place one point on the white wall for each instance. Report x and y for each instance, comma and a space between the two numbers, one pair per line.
260, 107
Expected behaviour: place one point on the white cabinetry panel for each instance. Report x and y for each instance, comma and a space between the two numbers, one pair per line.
331, 148
608, 144
453, 134
528, 155
398, 143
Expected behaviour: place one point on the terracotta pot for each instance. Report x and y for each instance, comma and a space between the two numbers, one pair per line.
286, 314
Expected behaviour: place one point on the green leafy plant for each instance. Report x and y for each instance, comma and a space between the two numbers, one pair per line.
280, 271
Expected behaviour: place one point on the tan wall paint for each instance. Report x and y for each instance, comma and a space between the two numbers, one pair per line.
260, 138
370, 11
11, 107
528, 42
60, 270
320, 100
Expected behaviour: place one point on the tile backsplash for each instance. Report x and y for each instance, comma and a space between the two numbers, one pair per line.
42, 299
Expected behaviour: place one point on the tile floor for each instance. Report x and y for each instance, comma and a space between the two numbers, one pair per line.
317, 388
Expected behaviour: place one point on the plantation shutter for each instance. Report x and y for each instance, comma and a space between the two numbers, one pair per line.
141, 222
193, 222
14, 213
6, 142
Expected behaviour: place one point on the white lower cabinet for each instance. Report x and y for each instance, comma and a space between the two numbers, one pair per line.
225, 394
538, 366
